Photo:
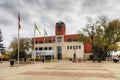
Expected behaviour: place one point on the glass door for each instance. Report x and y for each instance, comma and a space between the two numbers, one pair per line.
59, 52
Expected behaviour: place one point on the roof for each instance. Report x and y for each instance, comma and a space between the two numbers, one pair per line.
60, 22
4, 57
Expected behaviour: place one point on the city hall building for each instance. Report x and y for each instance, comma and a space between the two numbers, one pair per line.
61, 46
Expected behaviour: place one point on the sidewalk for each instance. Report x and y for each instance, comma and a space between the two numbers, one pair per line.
4, 64
62, 70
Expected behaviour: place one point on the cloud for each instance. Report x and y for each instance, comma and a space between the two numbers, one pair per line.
47, 12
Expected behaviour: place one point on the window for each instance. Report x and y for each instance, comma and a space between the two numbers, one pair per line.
45, 48
70, 47
50, 41
40, 48
73, 47
79, 47
50, 48
75, 40
76, 47
67, 47
69, 40
59, 26
40, 42
36, 48
46, 41
36, 42
59, 39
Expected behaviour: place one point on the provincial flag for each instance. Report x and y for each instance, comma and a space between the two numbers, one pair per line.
36, 28
45, 32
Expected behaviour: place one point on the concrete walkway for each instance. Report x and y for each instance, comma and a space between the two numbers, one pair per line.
61, 70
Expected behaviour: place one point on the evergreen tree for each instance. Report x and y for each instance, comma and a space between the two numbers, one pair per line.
1, 44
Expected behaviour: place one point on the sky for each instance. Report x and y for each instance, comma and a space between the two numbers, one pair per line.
45, 13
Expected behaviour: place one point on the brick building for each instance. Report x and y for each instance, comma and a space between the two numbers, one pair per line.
61, 46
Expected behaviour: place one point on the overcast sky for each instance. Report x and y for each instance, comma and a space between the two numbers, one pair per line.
47, 12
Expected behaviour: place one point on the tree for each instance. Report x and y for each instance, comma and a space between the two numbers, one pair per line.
25, 44
104, 35
101, 43
1, 45
114, 29
89, 30
113, 33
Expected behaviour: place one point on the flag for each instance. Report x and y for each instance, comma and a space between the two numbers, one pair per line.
19, 21
45, 32
36, 28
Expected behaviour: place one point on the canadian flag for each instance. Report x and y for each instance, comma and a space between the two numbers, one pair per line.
19, 21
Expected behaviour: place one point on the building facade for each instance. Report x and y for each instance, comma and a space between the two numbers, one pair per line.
61, 46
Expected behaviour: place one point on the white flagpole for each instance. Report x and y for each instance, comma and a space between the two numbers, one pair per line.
18, 47
34, 45
18, 38
44, 45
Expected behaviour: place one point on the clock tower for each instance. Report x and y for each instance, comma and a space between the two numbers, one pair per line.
60, 28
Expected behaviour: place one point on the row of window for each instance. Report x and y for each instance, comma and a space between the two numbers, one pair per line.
50, 48
74, 47
47, 41
43, 48
41, 42
58, 40
71, 40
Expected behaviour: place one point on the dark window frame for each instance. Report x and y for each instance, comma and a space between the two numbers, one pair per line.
36, 48
69, 40
68, 47
45, 48
79, 46
50, 48
76, 47
40, 48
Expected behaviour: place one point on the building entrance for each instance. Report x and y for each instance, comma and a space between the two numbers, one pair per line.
59, 52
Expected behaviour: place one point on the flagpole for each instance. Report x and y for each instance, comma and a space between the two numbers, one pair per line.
18, 47
34, 45
35, 28
44, 46
18, 38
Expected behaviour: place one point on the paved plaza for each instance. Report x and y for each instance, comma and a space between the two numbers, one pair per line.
61, 70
